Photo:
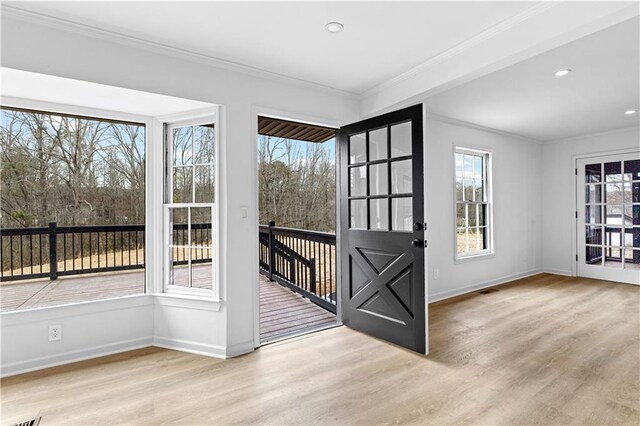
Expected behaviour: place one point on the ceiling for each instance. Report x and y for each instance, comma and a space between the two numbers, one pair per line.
381, 40
46, 88
528, 100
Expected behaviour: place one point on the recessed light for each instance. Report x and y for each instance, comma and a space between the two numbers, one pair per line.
631, 111
334, 27
562, 73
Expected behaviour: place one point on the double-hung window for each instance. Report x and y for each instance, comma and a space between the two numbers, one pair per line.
190, 159
473, 203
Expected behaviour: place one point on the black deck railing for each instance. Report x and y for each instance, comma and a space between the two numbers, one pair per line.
304, 261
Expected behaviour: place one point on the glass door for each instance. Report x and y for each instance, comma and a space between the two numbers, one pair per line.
608, 190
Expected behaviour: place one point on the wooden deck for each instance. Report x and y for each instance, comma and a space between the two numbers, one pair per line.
282, 312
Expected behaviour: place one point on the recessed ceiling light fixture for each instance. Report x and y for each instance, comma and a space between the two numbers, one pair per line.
334, 27
562, 73
631, 111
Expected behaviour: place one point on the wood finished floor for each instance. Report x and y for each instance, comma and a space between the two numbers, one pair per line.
543, 350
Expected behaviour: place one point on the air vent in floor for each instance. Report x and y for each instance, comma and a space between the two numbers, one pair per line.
32, 422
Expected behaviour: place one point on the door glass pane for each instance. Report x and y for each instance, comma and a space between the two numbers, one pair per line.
178, 222
613, 172
613, 215
593, 193
613, 236
632, 170
401, 177
635, 192
204, 191
201, 270
378, 144
358, 181
182, 146
593, 255
179, 266
613, 193
593, 173
204, 144
379, 214
593, 214
631, 259
401, 139
593, 235
358, 214
632, 238
635, 215
183, 184
378, 180
357, 148
626, 193
402, 214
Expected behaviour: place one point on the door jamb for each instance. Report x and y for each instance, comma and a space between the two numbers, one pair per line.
256, 111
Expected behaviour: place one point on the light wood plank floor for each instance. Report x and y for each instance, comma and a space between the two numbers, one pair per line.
543, 350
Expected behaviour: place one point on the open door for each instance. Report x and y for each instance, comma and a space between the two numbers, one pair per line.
382, 227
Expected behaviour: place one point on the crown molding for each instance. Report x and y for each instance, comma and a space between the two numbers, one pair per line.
624, 129
31, 17
460, 48
467, 124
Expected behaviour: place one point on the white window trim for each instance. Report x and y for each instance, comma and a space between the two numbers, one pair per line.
199, 118
490, 251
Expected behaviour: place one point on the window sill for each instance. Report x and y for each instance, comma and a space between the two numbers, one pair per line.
188, 301
474, 257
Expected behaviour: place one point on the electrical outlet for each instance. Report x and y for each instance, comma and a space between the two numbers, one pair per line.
436, 273
55, 332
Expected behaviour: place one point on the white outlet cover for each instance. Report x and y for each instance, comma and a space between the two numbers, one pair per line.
55, 332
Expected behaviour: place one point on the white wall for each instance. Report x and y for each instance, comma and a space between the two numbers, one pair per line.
558, 199
517, 209
73, 53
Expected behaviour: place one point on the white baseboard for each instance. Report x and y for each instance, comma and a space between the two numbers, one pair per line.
557, 272
73, 356
239, 349
479, 286
191, 347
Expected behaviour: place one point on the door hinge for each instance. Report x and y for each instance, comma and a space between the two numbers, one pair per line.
576, 214
576, 257
576, 171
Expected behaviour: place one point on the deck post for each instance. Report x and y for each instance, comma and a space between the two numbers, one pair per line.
53, 257
272, 250
312, 275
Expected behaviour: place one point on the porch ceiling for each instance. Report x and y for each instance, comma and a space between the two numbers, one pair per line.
268, 126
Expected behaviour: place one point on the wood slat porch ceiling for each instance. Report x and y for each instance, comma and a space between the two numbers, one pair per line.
291, 130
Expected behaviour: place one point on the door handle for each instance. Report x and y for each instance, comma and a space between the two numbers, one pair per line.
417, 243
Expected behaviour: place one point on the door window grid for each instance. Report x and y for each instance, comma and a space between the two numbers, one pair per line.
472, 203
190, 197
612, 214
380, 184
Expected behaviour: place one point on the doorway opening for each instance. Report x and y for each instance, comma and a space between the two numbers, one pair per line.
297, 233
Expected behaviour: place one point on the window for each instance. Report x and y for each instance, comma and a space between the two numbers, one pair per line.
473, 206
73, 205
190, 208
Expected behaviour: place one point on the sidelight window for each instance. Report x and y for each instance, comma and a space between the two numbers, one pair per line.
473, 206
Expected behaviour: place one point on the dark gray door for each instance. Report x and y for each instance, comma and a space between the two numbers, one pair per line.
382, 227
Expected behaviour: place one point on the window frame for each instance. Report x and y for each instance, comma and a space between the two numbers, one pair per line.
167, 184
488, 200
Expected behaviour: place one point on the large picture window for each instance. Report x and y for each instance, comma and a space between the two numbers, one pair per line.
73, 206
190, 207
473, 206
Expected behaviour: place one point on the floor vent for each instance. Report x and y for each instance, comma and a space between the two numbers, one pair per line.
32, 422
488, 290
